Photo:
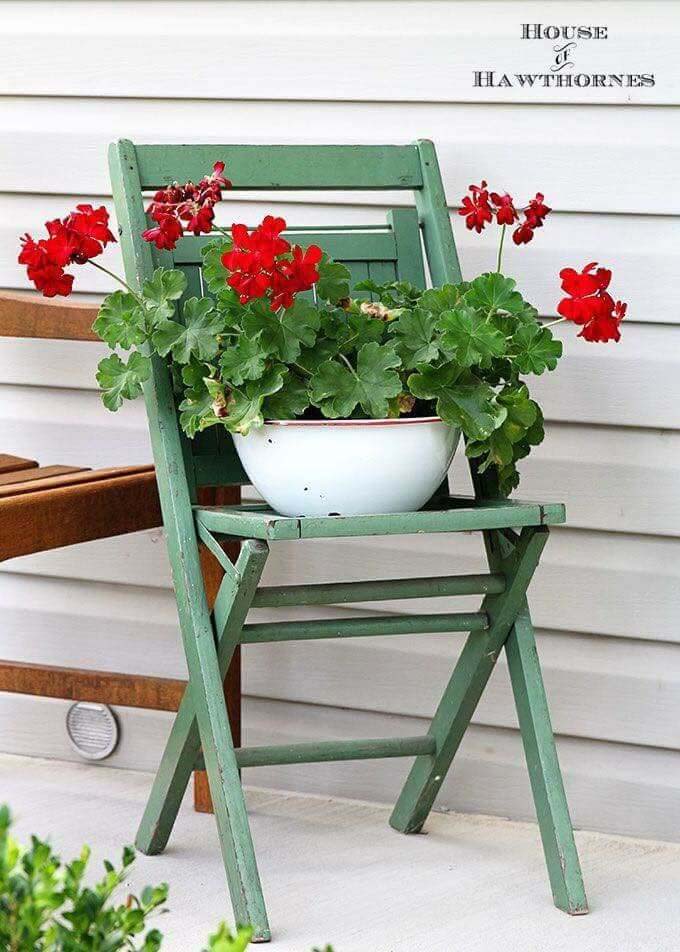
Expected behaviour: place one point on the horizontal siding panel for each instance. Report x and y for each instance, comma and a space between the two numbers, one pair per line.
58, 146
572, 239
632, 383
611, 787
71, 426
599, 687
424, 51
587, 581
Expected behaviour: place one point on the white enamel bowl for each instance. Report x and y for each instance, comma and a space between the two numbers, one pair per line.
347, 467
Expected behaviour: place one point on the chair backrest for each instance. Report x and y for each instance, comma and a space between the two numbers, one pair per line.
384, 252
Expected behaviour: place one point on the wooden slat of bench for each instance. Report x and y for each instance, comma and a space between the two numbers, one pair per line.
10, 464
52, 518
37, 474
73, 478
104, 687
25, 315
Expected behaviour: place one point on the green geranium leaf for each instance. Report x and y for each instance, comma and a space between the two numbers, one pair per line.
333, 283
494, 292
196, 337
394, 294
470, 338
522, 411
289, 402
351, 329
120, 321
535, 349
415, 332
201, 393
310, 358
283, 336
194, 373
245, 360
122, 381
462, 399
162, 290
245, 403
337, 390
446, 298
521, 429
214, 273
196, 411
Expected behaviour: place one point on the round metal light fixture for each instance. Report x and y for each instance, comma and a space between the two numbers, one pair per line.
92, 729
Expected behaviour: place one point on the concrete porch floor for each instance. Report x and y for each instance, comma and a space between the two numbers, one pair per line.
333, 871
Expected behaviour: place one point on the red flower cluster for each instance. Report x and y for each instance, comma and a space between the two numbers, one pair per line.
75, 239
590, 304
481, 208
261, 263
187, 207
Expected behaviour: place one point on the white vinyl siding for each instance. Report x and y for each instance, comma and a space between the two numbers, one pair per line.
606, 599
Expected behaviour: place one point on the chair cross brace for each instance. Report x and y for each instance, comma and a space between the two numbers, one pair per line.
500, 622
370, 748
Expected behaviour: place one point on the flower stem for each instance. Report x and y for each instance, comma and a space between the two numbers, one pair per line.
560, 320
115, 278
223, 231
351, 368
500, 250
303, 370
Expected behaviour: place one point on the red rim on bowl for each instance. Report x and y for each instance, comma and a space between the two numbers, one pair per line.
390, 422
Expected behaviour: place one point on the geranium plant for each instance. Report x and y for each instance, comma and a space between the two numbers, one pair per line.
281, 334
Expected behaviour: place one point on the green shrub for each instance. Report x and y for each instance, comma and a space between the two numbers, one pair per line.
46, 907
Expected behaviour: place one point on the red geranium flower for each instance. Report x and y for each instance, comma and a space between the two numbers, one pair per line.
590, 304
75, 239
480, 209
534, 216
506, 212
302, 269
536, 211
299, 273
605, 325
587, 290
165, 234
91, 223
523, 234
188, 203
476, 210
51, 280
199, 218
587, 281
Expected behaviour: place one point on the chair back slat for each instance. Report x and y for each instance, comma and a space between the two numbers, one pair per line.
289, 167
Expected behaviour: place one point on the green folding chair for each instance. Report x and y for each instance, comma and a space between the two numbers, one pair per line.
514, 533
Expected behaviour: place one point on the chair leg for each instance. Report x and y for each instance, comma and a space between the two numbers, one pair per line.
202, 722
178, 760
469, 678
552, 810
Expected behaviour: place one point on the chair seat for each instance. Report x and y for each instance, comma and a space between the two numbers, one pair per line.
453, 514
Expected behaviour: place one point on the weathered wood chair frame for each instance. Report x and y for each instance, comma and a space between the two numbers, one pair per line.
200, 734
